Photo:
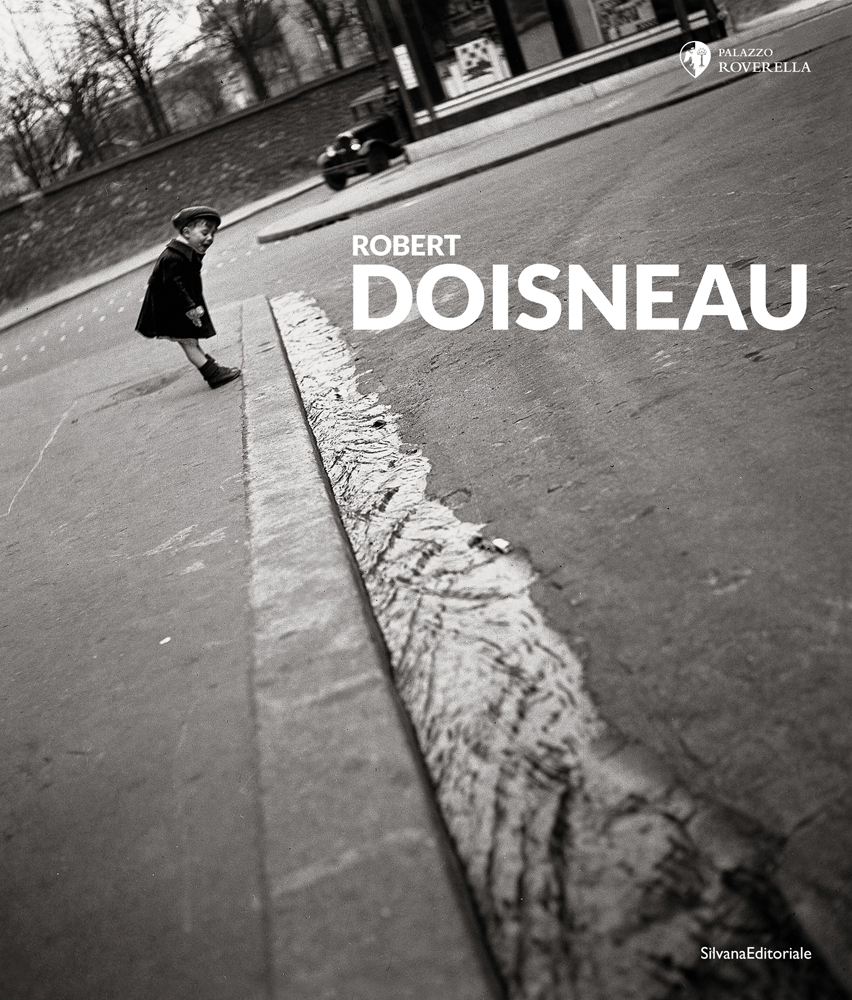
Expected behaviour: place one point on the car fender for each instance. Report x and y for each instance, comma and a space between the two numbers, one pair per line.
370, 143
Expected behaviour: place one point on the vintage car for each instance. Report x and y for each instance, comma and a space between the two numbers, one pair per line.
377, 136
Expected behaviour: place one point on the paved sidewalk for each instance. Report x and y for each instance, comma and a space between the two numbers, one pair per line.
129, 866
365, 893
501, 138
208, 790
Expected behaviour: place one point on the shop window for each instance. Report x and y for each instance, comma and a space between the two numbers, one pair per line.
534, 31
466, 46
620, 18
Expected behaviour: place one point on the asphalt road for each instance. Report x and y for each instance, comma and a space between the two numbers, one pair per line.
683, 496
130, 862
163, 695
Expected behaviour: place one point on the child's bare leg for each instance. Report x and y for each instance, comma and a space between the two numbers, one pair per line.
214, 374
192, 350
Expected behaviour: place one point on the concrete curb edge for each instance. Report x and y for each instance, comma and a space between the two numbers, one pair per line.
320, 668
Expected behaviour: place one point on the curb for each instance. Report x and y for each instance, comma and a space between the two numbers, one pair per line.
417, 561
274, 233
58, 297
364, 891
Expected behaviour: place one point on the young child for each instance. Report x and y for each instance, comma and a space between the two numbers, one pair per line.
174, 306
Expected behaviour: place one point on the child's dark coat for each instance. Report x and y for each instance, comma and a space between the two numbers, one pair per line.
173, 289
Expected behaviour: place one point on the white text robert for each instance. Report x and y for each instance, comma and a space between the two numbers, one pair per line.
417, 245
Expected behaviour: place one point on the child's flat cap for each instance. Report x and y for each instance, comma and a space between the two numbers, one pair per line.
187, 215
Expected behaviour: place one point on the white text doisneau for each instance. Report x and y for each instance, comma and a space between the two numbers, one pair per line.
648, 295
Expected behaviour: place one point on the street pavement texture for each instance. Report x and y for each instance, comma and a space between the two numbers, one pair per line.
678, 502
129, 828
681, 497
207, 790
596, 872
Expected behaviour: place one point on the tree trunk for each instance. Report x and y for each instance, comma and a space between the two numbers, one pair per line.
258, 84
27, 161
83, 129
366, 17
150, 100
334, 45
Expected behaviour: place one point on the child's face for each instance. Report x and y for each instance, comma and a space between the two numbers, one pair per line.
200, 235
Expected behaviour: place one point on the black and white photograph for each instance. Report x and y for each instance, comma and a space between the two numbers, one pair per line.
425, 477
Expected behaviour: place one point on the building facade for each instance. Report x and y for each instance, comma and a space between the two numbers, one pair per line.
461, 59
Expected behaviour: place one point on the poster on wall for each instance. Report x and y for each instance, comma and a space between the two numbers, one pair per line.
620, 20
405, 66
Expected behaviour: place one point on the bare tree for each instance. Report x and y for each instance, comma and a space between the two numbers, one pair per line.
24, 131
68, 82
125, 33
331, 17
244, 29
53, 103
198, 83
365, 15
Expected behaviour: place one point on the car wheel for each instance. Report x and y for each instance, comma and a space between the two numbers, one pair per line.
337, 182
377, 160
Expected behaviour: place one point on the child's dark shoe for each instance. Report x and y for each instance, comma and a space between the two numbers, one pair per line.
216, 374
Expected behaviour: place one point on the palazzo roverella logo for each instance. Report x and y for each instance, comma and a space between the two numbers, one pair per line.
695, 58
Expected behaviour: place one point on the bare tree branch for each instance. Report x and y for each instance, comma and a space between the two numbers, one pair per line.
244, 29
69, 82
52, 99
332, 18
125, 33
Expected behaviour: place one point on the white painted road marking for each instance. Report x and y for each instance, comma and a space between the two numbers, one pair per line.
44, 448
